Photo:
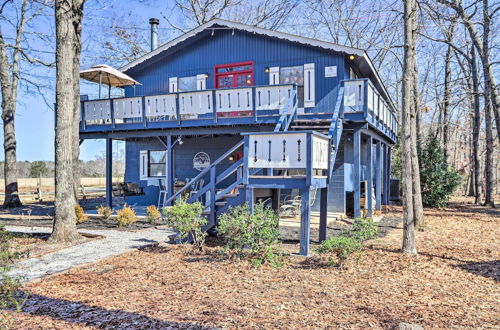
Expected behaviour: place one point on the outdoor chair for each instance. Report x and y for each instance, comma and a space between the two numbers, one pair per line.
196, 187
163, 192
292, 204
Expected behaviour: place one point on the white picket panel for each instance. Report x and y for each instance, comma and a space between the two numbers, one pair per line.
284, 151
376, 105
161, 105
238, 99
272, 97
354, 93
97, 110
195, 103
320, 152
128, 108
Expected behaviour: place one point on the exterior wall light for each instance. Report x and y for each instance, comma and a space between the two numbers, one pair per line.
266, 69
231, 158
352, 57
206, 75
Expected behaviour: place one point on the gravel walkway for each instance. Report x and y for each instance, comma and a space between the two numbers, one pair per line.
114, 243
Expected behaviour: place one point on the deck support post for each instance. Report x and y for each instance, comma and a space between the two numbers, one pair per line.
170, 168
213, 176
387, 175
305, 222
357, 173
378, 176
275, 199
369, 177
323, 214
109, 172
249, 198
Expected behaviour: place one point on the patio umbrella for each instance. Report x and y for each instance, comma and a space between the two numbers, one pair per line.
104, 74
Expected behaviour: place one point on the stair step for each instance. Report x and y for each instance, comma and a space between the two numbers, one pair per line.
220, 203
319, 120
229, 195
205, 212
311, 127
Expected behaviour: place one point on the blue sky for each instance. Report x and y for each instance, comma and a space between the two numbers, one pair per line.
35, 120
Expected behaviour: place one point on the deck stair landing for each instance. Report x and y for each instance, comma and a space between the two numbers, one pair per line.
267, 158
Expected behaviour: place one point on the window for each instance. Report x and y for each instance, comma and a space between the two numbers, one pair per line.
157, 164
228, 69
187, 84
294, 75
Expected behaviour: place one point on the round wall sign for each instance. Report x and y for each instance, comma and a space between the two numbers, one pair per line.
201, 161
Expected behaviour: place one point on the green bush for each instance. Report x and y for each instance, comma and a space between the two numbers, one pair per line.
252, 234
153, 214
9, 286
187, 219
437, 180
364, 229
126, 216
343, 247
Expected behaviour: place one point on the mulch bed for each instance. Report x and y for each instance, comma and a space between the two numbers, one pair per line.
453, 282
41, 214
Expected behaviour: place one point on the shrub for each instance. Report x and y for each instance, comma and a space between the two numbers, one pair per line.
126, 216
153, 214
187, 220
252, 234
9, 286
364, 229
105, 211
80, 215
437, 180
343, 247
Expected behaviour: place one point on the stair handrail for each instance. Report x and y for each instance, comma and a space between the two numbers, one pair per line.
205, 171
336, 126
288, 114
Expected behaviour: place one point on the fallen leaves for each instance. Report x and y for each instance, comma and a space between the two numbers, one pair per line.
453, 282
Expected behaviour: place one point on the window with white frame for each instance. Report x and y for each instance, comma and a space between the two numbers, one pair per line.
157, 163
294, 75
187, 84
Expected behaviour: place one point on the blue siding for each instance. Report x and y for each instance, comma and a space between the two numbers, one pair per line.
183, 161
207, 51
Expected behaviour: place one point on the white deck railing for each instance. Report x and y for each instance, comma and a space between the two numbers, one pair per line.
203, 104
288, 150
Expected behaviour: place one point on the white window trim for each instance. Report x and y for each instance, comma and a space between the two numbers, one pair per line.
173, 85
201, 82
274, 75
309, 86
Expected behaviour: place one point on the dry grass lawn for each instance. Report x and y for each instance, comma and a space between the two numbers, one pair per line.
454, 282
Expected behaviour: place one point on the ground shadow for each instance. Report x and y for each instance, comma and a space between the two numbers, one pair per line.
78, 313
489, 269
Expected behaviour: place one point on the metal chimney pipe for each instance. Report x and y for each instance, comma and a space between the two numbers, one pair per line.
154, 32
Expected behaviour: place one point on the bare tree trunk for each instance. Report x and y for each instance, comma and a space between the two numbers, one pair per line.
447, 92
488, 163
418, 211
418, 111
10, 166
410, 13
483, 49
69, 15
476, 128
9, 80
76, 111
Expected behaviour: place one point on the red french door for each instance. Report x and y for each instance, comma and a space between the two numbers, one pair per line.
234, 75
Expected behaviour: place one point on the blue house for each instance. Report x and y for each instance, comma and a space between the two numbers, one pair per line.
229, 113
